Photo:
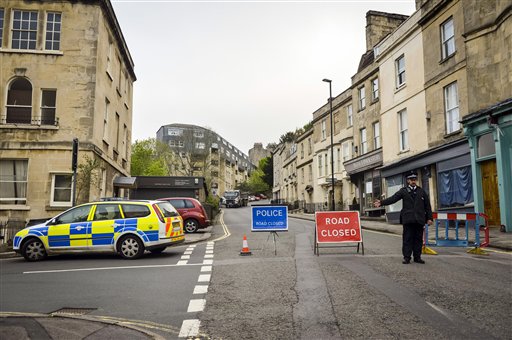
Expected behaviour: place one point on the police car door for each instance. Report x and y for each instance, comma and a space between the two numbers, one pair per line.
103, 225
70, 230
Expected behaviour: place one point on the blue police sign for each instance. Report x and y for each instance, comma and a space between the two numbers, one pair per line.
269, 218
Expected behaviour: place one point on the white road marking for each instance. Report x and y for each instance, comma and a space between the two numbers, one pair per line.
209, 251
206, 268
187, 252
107, 268
207, 261
204, 278
185, 257
196, 305
200, 289
182, 263
208, 256
189, 328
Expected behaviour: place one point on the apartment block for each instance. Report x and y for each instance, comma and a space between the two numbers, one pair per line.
198, 151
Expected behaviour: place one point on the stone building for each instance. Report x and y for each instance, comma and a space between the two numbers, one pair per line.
257, 153
433, 94
305, 173
402, 106
488, 125
199, 151
66, 73
363, 168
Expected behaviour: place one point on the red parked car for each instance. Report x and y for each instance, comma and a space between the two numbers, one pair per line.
192, 211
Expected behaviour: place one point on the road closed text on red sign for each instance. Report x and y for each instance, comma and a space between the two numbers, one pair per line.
338, 226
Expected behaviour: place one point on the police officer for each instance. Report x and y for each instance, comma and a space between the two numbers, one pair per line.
415, 212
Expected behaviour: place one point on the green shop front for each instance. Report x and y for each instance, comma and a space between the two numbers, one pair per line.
489, 133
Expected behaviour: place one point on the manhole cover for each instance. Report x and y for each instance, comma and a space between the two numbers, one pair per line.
73, 311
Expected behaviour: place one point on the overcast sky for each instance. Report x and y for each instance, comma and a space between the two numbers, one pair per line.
248, 70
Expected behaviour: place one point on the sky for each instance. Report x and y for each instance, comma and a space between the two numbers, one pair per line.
248, 70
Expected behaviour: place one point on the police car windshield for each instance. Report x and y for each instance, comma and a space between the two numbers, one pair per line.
167, 209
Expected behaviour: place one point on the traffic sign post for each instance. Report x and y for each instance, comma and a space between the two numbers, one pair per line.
338, 228
271, 219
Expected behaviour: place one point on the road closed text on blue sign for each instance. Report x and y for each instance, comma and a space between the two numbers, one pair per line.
269, 218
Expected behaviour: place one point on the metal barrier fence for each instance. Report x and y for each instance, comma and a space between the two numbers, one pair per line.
8, 229
458, 230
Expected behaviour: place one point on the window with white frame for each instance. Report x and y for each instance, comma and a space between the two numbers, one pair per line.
362, 98
349, 116
48, 106
302, 175
447, 39
320, 165
364, 141
310, 146
53, 27
24, 30
375, 88
302, 150
326, 166
400, 71
338, 158
13, 181
61, 194
19, 102
347, 151
310, 173
110, 53
376, 135
403, 130
174, 132
1, 26
105, 119
323, 126
451, 106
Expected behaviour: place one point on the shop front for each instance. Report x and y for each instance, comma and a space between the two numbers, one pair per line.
366, 176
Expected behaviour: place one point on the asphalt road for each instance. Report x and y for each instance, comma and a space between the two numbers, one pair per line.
340, 294
281, 291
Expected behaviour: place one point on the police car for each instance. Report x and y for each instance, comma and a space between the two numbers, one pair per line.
125, 227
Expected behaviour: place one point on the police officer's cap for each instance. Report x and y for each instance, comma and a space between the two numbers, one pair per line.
412, 174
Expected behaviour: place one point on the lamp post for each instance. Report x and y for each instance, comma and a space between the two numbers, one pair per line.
333, 206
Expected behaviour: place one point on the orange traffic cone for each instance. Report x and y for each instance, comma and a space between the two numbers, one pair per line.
245, 248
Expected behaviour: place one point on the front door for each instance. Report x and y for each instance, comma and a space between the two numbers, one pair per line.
490, 191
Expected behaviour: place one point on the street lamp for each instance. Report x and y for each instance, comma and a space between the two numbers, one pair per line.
332, 143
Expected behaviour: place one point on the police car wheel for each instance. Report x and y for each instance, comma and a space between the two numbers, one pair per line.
33, 250
131, 247
191, 226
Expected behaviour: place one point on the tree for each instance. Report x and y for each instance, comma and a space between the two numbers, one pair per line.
266, 166
150, 158
87, 176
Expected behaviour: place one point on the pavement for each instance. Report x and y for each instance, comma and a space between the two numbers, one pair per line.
71, 326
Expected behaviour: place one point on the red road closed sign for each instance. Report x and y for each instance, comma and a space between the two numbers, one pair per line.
338, 226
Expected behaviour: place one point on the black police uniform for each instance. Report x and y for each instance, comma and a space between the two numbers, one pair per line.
416, 211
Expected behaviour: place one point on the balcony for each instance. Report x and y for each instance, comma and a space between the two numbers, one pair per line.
25, 118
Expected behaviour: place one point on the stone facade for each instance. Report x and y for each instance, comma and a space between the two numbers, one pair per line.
448, 68
76, 85
257, 153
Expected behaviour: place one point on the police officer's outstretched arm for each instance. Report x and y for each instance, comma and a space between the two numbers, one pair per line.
396, 197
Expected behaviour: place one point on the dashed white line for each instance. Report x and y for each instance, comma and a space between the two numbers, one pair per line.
207, 261
182, 263
204, 278
200, 289
196, 305
206, 268
189, 328
185, 257
208, 256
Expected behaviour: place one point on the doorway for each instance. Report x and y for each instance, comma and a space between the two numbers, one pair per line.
490, 191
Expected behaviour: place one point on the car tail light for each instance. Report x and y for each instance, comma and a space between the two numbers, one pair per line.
158, 213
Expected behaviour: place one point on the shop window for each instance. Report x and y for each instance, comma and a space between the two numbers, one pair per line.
455, 187
394, 183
